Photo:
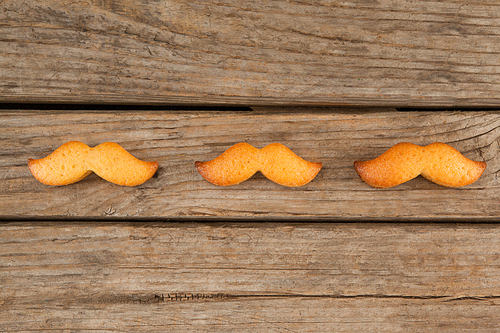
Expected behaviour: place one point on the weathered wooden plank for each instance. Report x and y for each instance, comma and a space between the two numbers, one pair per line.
231, 51
248, 277
177, 139
301, 314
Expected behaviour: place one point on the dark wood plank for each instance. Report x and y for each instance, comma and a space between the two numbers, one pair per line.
248, 277
177, 139
281, 52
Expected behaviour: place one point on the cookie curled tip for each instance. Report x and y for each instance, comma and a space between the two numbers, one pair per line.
63, 166
235, 165
281, 165
113, 163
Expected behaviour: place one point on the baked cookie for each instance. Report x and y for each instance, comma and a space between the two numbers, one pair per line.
275, 161
74, 161
437, 162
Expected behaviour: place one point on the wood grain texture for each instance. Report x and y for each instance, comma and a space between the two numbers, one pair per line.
381, 52
249, 277
176, 140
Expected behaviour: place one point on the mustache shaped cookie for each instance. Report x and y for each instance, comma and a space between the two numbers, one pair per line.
437, 162
74, 161
275, 161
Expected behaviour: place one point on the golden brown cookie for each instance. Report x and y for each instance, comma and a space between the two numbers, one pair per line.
74, 161
275, 161
437, 162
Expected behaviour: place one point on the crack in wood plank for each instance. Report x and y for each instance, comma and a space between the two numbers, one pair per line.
193, 296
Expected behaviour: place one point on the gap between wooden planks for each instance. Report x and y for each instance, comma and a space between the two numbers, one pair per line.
243, 277
176, 139
381, 52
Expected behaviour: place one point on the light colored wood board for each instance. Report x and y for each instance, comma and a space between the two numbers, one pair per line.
178, 139
301, 314
247, 277
231, 51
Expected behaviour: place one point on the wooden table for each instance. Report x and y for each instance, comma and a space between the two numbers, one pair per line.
181, 81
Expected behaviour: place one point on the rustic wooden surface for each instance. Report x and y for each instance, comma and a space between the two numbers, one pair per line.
336, 137
381, 52
168, 255
249, 277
